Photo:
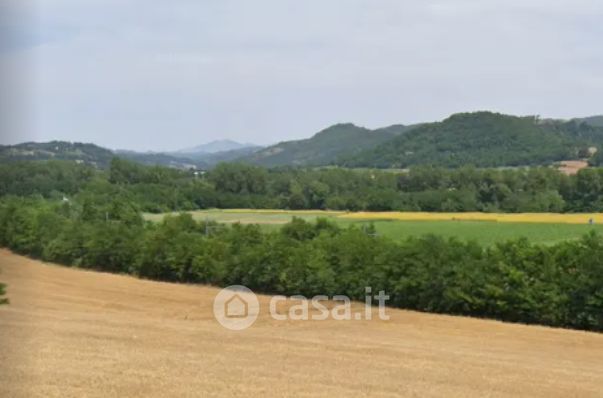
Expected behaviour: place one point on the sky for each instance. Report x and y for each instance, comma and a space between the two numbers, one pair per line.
161, 76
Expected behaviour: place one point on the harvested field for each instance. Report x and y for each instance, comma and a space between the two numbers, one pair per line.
73, 333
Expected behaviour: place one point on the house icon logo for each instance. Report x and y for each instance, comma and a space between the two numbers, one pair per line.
236, 307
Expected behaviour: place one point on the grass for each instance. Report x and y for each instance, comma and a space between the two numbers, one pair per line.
486, 232
485, 229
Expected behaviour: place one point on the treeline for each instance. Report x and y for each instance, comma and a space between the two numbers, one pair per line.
46, 178
232, 185
560, 285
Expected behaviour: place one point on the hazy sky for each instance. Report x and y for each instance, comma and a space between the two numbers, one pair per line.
151, 75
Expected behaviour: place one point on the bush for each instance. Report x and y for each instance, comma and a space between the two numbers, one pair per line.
3, 300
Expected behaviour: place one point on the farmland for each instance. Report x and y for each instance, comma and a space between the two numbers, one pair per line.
484, 228
70, 332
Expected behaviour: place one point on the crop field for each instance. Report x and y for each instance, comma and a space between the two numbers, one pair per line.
73, 333
484, 228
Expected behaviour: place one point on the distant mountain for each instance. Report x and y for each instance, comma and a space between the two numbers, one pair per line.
484, 139
163, 159
101, 157
61, 150
596, 121
325, 147
215, 147
212, 159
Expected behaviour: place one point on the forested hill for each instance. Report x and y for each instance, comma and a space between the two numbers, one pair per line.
59, 150
596, 121
484, 139
325, 147
100, 157
90, 154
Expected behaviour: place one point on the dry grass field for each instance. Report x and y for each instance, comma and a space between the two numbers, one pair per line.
75, 333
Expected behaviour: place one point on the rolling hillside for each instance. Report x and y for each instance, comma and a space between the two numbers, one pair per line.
209, 159
60, 150
215, 147
325, 147
163, 159
100, 157
596, 121
484, 139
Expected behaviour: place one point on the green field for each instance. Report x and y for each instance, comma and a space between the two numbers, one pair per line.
484, 232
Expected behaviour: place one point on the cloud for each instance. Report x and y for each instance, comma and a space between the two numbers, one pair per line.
132, 75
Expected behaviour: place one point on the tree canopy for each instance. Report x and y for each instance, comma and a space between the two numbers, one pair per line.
483, 139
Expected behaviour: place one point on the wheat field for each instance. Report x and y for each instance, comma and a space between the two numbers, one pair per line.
75, 333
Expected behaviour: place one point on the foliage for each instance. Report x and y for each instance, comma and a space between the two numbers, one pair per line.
159, 189
60, 150
596, 121
47, 178
483, 139
597, 158
3, 300
557, 285
325, 147
236, 185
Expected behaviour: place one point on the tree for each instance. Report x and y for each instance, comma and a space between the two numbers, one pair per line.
239, 178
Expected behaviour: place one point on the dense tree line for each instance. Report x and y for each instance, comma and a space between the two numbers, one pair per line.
560, 285
46, 178
233, 185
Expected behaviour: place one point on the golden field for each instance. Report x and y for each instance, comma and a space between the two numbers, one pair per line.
554, 218
262, 216
75, 333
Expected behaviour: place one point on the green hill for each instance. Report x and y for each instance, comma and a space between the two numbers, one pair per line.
101, 157
163, 159
90, 154
325, 147
61, 150
484, 139
596, 121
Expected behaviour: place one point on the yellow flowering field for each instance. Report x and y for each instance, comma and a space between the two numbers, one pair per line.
554, 218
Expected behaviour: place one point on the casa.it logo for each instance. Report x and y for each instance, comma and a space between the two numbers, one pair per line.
236, 307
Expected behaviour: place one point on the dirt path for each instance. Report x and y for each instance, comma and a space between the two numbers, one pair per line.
73, 333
